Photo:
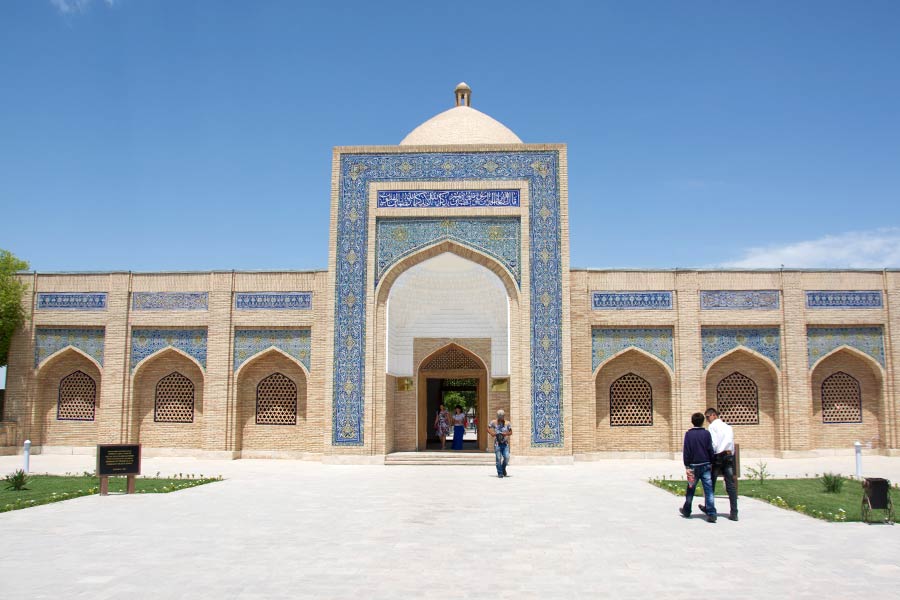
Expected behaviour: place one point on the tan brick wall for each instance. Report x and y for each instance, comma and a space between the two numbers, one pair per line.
761, 436
640, 438
166, 435
843, 435
302, 436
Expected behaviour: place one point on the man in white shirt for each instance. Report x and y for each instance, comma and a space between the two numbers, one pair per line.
723, 462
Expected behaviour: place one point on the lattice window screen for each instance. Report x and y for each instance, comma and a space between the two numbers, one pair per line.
174, 399
452, 358
276, 401
630, 401
841, 399
77, 397
737, 400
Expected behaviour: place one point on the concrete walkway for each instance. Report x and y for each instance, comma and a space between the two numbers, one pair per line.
291, 529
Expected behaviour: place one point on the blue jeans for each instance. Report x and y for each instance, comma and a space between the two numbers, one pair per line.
703, 474
501, 452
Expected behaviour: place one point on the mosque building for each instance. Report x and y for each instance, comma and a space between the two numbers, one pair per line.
448, 271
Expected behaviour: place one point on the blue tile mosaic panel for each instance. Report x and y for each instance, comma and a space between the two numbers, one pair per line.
273, 300
71, 301
739, 300
843, 299
716, 341
293, 342
541, 171
822, 340
170, 301
147, 341
631, 300
50, 340
655, 340
447, 198
499, 238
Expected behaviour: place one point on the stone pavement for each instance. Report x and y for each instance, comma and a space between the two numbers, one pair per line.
292, 529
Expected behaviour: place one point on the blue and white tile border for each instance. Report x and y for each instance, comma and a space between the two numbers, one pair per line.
717, 341
739, 300
296, 343
653, 300
540, 168
822, 340
146, 341
448, 198
71, 301
50, 340
273, 301
606, 342
844, 299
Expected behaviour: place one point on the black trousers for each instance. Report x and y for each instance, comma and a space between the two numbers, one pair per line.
723, 464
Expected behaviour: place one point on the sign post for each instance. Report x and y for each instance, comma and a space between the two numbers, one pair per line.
117, 460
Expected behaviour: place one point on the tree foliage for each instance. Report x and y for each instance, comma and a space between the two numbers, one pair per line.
11, 290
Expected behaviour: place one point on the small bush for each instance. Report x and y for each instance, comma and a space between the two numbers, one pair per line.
832, 483
17, 481
759, 473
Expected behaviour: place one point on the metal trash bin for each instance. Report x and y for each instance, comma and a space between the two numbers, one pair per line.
877, 496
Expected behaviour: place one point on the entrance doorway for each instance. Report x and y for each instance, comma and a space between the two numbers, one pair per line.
452, 393
452, 376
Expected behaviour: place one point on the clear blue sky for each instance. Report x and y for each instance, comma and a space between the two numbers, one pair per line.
149, 135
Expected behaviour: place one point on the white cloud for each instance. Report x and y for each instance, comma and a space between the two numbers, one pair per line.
873, 249
68, 7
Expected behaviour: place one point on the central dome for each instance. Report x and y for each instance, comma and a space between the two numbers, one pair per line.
461, 124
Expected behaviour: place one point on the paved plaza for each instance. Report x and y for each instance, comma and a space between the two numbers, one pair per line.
292, 529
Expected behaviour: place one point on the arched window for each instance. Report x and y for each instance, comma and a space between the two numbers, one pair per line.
174, 399
630, 401
841, 399
77, 398
737, 400
276, 401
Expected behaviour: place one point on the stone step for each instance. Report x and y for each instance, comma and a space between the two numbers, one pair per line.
439, 458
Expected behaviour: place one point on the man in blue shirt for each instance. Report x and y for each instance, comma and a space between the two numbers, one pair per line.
698, 456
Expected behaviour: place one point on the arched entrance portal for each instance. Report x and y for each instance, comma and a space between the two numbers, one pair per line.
452, 376
446, 324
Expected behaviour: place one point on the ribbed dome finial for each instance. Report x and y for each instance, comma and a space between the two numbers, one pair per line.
463, 94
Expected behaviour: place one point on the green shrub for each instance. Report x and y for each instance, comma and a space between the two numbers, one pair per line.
759, 473
832, 483
17, 481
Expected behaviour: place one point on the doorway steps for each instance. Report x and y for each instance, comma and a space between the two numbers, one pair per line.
446, 457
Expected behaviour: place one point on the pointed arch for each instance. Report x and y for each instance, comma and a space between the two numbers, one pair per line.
62, 353
266, 352
460, 249
160, 354
874, 364
448, 346
751, 353
639, 351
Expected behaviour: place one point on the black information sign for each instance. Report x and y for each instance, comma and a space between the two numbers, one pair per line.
119, 459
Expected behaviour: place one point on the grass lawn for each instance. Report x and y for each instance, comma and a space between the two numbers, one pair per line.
806, 496
44, 489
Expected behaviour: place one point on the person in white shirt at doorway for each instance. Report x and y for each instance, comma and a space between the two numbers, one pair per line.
723, 462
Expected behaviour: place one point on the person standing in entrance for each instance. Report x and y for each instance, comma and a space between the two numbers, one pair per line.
698, 455
442, 424
459, 427
723, 462
500, 430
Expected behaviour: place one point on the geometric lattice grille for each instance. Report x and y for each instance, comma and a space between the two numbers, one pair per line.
77, 397
841, 399
174, 399
737, 400
630, 401
452, 358
276, 401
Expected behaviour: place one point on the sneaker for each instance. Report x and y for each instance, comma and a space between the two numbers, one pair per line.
684, 513
733, 517
711, 519
702, 508
504, 472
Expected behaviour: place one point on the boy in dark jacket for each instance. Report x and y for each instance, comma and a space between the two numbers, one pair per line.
698, 456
